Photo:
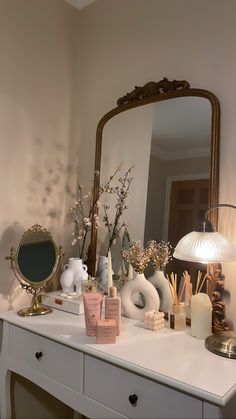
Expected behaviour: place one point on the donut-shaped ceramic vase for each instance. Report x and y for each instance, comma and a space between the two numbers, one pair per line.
138, 285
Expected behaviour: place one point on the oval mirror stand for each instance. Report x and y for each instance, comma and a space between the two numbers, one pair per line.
35, 263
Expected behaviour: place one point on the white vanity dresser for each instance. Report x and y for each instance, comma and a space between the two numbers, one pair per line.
164, 374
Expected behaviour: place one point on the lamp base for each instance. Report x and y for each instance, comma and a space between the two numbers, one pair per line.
223, 344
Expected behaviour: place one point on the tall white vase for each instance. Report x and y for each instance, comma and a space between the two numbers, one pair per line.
138, 285
159, 281
75, 272
102, 272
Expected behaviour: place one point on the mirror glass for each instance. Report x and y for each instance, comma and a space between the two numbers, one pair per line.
169, 144
36, 257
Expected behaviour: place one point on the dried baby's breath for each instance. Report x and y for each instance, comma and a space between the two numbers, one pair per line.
160, 254
137, 256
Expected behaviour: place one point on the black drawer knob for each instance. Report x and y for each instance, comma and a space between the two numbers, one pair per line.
133, 398
38, 355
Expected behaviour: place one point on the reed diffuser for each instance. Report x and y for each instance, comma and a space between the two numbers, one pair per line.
177, 316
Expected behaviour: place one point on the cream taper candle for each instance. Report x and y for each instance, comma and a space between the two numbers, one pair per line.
109, 272
130, 272
201, 315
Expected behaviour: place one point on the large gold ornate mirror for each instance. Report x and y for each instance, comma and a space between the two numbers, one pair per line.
185, 121
157, 128
35, 262
169, 131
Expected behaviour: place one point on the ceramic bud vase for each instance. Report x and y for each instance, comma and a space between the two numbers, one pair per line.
102, 273
74, 273
138, 285
159, 281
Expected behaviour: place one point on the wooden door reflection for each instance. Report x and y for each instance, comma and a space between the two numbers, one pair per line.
188, 203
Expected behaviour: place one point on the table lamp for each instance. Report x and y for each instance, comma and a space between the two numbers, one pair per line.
205, 245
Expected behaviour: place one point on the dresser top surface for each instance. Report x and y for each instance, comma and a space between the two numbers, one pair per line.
172, 358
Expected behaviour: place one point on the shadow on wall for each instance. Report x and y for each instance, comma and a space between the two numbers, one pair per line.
49, 183
12, 296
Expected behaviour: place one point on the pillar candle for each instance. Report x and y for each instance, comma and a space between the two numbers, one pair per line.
201, 315
109, 272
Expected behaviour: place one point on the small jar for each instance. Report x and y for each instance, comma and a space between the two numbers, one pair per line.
177, 317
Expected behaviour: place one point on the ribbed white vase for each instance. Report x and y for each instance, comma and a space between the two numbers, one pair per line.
159, 281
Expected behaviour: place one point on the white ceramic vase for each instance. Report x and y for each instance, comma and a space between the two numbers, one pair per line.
75, 272
138, 285
159, 281
102, 272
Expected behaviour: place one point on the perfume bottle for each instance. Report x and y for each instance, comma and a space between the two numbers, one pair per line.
113, 308
177, 317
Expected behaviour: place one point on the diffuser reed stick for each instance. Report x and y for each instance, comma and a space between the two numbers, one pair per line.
187, 279
200, 282
173, 281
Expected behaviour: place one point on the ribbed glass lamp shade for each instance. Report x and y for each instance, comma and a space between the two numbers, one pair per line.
205, 247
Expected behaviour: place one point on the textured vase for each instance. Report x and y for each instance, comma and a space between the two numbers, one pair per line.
102, 272
75, 272
138, 285
159, 281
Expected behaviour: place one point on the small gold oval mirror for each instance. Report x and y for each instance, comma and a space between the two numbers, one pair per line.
35, 262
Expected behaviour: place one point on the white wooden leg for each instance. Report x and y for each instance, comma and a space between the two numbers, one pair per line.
78, 415
5, 394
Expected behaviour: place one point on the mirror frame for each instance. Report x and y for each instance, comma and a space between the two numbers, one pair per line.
153, 92
35, 288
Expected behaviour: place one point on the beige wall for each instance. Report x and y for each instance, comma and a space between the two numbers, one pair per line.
129, 42
38, 44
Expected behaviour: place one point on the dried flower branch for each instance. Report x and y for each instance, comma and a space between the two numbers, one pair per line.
82, 216
137, 256
121, 191
160, 254
85, 215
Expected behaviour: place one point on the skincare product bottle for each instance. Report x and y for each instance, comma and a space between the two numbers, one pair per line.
106, 331
177, 317
92, 311
113, 308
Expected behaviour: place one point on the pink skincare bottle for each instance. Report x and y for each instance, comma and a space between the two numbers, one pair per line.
92, 311
113, 308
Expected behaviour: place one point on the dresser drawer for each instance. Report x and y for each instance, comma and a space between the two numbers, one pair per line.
113, 386
46, 356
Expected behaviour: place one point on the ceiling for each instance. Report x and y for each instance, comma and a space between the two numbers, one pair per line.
80, 4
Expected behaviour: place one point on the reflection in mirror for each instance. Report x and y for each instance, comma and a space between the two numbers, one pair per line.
169, 143
179, 172
34, 263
